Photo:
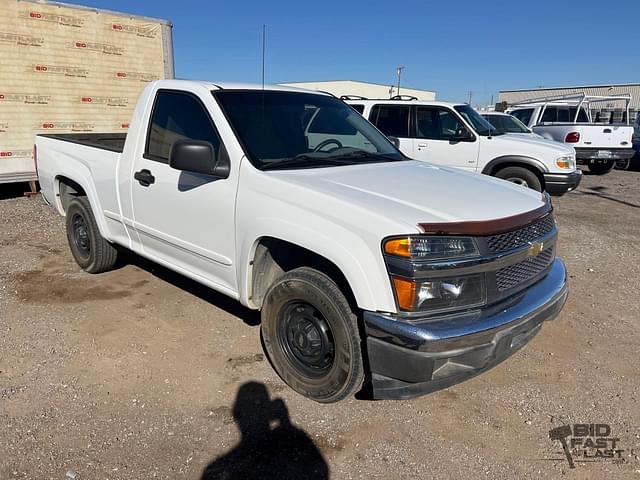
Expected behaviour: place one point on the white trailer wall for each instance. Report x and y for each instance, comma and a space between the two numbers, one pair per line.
71, 69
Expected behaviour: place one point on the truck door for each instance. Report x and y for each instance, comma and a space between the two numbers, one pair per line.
434, 133
184, 219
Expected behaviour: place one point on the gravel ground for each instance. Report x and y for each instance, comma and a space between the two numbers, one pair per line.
140, 373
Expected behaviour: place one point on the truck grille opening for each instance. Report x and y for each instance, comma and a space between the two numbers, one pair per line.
517, 238
513, 275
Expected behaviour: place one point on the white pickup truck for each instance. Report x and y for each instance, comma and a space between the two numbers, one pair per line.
455, 135
567, 119
363, 263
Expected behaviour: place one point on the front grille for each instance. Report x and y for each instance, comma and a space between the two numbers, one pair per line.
517, 238
513, 275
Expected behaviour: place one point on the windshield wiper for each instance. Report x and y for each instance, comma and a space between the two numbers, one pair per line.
305, 160
310, 160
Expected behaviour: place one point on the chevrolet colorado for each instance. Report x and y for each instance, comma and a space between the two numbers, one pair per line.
369, 269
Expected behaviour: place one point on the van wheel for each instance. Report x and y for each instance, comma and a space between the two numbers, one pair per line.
520, 176
311, 337
92, 252
600, 168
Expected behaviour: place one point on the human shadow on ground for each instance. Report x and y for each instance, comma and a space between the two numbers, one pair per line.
271, 447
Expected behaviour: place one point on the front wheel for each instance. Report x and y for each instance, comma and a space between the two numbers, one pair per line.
311, 336
520, 176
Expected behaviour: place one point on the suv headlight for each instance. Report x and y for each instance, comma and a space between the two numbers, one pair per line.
440, 293
566, 162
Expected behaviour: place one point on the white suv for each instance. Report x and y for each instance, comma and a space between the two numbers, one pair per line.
455, 135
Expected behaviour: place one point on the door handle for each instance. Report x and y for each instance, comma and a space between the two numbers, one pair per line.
422, 145
144, 177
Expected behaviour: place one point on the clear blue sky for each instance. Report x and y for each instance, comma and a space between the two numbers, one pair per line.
451, 46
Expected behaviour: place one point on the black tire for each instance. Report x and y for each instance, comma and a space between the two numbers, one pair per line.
521, 176
310, 335
601, 168
92, 252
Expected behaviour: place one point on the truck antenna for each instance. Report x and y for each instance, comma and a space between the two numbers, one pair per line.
264, 36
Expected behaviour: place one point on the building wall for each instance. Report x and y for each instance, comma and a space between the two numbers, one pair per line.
608, 108
363, 89
68, 68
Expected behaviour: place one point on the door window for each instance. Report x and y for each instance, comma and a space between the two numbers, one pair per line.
392, 120
177, 116
436, 123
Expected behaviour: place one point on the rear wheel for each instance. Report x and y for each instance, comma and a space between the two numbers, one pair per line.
311, 336
600, 168
520, 176
92, 252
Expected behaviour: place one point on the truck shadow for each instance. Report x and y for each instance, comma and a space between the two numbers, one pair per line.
600, 192
229, 305
270, 447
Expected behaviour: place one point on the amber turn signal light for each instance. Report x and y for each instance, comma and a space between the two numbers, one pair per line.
400, 247
405, 293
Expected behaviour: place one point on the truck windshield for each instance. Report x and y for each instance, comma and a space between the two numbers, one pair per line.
286, 130
506, 124
479, 124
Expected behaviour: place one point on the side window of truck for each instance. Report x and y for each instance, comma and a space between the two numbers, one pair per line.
550, 114
358, 108
176, 116
524, 115
392, 120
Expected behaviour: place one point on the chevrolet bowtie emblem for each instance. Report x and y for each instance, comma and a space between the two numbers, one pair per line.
535, 249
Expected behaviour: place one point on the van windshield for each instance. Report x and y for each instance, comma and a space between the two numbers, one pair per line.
479, 124
287, 130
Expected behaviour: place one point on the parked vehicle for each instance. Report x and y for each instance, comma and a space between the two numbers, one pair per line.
567, 119
71, 69
505, 123
293, 204
455, 135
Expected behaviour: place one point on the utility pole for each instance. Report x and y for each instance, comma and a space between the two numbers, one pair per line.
470, 96
399, 72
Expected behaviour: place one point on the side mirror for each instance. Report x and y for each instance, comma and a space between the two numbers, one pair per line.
395, 141
198, 156
462, 135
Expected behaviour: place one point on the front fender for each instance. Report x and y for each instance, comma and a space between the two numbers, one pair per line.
494, 164
361, 265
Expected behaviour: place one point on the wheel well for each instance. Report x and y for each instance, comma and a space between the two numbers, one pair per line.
526, 166
68, 190
274, 257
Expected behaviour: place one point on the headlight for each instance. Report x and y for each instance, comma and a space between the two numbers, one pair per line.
441, 294
566, 162
431, 248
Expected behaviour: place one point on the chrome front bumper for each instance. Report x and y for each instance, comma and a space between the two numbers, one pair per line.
409, 359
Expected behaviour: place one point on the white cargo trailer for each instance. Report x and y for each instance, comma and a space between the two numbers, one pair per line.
68, 68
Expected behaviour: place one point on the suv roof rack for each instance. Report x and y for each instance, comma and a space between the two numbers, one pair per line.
352, 97
403, 97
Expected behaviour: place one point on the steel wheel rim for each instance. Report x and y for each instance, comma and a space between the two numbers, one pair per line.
306, 339
81, 238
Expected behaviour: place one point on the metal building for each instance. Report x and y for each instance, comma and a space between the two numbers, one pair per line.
605, 110
363, 89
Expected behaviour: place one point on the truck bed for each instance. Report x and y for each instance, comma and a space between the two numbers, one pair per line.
114, 142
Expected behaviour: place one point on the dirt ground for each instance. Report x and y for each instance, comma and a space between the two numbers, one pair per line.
140, 373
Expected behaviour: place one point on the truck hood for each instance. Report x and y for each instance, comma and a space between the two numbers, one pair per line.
525, 144
408, 193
